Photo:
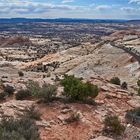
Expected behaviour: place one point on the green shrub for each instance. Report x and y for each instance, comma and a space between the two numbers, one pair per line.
139, 91
9, 89
124, 85
18, 129
33, 87
31, 113
3, 95
115, 80
48, 74
113, 125
45, 93
23, 94
133, 116
135, 111
138, 83
20, 73
44, 76
77, 90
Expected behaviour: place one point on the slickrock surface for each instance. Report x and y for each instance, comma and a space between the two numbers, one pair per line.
12, 107
83, 50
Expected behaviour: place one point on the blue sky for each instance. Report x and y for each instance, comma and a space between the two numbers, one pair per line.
93, 9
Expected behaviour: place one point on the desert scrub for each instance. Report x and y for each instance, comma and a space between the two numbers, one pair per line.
3, 95
112, 125
133, 116
22, 128
23, 94
9, 89
139, 91
138, 83
124, 85
47, 92
31, 112
44, 93
75, 89
116, 81
33, 87
20, 73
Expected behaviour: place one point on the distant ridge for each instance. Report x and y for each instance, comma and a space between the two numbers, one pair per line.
135, 21
17, 20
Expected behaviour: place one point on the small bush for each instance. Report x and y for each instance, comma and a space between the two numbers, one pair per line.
48, 74
115, 80
77, 90
3, 95
33, 87
124, 85
31, 113
47, 92
139, 91
138, 83
20, 73
18, 129
133, 116
113, 125
9, 89
44, 76
23, 94
135, 111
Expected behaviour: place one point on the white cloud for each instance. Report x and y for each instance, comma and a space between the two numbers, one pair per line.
102, 7
67, 1
28, 7
128, 9
48, 8
134, 1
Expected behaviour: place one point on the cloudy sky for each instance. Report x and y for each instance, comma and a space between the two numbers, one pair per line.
99, 9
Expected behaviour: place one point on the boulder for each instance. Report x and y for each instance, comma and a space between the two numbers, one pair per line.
11, 108
4, 80
8, 84
66, 110
102, 138
132, 133
135, 102
20, 86
43, 123
105, 88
